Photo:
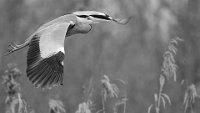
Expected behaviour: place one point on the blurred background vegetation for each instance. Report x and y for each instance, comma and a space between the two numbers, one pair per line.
132, 52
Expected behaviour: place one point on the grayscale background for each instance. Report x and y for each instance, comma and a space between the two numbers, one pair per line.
131, 52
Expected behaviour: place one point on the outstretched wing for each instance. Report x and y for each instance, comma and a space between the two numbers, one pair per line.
45, 56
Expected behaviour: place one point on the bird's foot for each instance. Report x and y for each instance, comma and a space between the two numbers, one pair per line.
11, 48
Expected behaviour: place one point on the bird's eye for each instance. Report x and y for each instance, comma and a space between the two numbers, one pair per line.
83, 16
107, 15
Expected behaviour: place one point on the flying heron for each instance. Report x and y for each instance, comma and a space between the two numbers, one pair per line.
46, 45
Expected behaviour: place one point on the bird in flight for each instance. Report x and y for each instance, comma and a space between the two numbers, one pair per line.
45, 57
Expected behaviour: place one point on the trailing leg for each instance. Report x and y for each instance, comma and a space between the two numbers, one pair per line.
14, 47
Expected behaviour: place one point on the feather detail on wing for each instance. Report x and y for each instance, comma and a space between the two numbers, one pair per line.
46, 55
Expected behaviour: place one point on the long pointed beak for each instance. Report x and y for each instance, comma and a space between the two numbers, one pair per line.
121, 20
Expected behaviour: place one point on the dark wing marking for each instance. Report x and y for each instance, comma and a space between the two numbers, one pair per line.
44, 72
46, 54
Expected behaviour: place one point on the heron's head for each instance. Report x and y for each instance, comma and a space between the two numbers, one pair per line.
91, 17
